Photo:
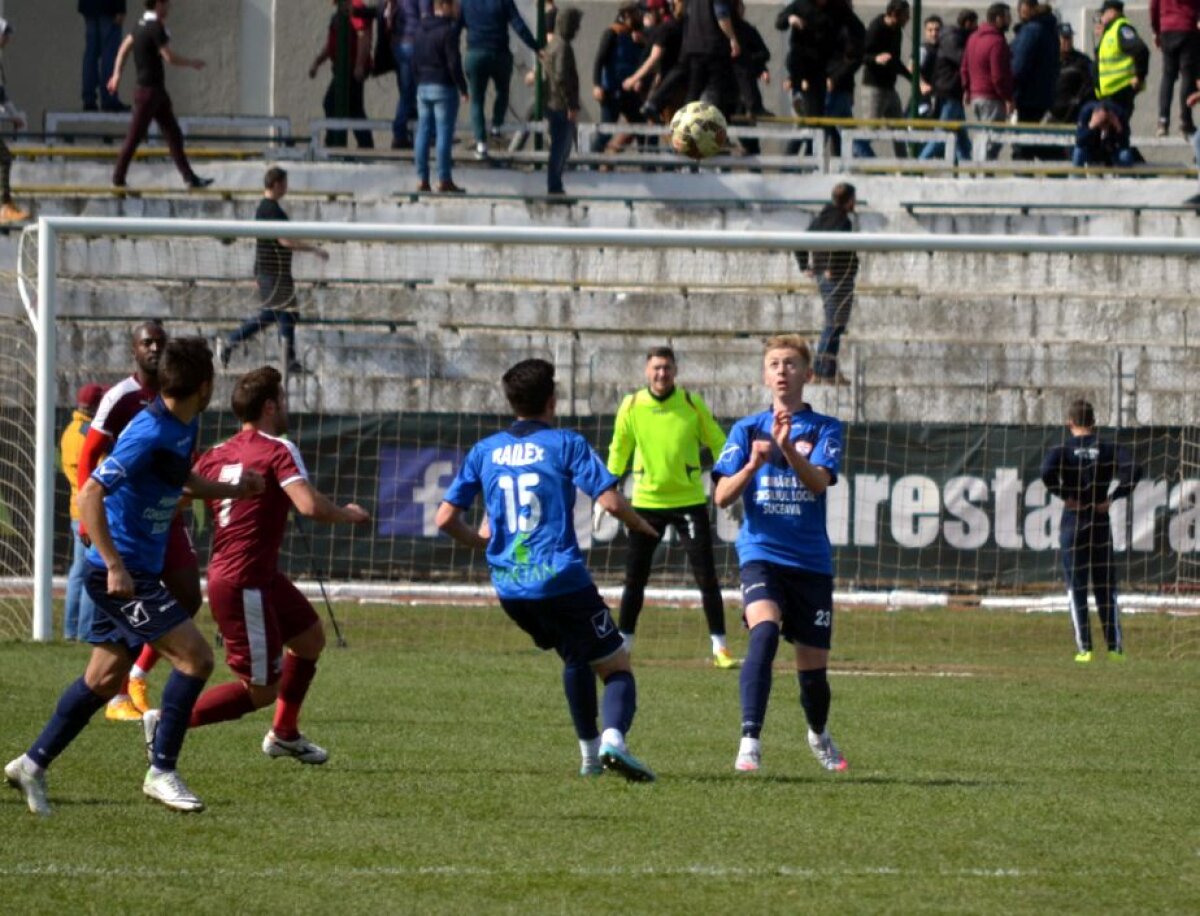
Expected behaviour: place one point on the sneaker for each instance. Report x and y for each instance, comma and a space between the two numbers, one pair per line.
196, 183
150, 720
122, 710
481, 151
11, 213
749, 758
826, 752
722, 659
623, 762
301, 749
1084, 658
138, 694
170, 789
1116, 655
591, 767
31, 786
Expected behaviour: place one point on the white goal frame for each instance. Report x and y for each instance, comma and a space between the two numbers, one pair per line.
43, 310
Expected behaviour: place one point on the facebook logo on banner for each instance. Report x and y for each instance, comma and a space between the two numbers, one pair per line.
411, 484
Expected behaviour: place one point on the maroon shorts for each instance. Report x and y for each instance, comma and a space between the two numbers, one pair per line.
181, 553
256, 623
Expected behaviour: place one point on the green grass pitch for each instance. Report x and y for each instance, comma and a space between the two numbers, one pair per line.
989, 774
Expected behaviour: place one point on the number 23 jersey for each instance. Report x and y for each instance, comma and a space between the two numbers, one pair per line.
528, 475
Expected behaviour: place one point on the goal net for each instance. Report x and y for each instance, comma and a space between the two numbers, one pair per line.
961, 356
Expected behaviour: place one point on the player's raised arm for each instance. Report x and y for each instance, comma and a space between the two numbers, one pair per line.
816, 479
450, 521
729, 488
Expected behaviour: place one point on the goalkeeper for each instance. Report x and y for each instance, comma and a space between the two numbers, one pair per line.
663, 428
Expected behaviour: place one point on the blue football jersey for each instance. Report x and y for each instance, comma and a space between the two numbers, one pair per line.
784, 520
144, 476
528, 475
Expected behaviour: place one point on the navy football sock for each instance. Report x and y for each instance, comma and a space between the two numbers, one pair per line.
178, 697
814, 697
620, 701
75, 709
579, 684
755, 678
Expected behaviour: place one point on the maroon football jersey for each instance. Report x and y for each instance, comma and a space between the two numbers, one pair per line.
247, 533
120, 404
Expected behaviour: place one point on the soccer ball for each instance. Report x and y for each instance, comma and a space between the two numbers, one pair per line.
698, 130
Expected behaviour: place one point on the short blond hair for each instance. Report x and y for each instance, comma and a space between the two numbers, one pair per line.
789, 342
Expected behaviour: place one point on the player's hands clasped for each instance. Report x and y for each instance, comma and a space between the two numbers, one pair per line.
781, 430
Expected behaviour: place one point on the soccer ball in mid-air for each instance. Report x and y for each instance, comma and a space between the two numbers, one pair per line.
698, 130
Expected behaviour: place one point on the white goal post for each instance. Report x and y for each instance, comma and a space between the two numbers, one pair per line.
51, 231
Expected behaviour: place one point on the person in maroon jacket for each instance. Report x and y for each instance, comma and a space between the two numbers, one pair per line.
987, 71
1175, 24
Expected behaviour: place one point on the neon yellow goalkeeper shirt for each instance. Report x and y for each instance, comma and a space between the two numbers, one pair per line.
664, 438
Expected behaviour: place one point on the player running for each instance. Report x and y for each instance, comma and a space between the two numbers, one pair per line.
181, 570
662, 429
258, 610
780, 463
528, 475
128, 504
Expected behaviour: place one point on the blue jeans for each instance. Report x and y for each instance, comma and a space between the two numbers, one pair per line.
1122, 157
838, 299
951, 110
841, 105
102, 38
406, 82
79, 611
560, 149
272, 293
481, 66
436, 105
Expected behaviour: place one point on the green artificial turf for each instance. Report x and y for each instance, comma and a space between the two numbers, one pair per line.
988, 774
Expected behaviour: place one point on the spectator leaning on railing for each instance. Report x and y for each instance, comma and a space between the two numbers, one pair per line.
987, 71
1175, 23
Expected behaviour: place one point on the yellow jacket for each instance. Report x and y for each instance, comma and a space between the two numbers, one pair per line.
70, 446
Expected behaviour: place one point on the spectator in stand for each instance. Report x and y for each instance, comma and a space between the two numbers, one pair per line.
562, 95
348, 49
1122, 58
835, 273
662, 65
104, 22
401, 18
845, 52
750, 68
809, 37
273, 275
9, 211
882, 65
1035, 69
1175, 24
1102, 136
150, 44
441, 83
987, 71
78, 609
931, 31
709, 49
489, 59
948, 85
1076, 79
617, 59
1190, 101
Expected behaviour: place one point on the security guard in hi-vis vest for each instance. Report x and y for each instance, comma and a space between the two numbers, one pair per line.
1122, 58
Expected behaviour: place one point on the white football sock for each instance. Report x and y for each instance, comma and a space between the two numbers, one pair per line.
589, 750
137, 672
30, 767
119, 699
613, 738
627, 638
718, 642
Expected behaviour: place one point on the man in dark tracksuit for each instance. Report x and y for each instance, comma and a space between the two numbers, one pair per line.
1080, 472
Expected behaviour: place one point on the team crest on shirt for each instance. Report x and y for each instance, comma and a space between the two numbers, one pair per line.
804, 447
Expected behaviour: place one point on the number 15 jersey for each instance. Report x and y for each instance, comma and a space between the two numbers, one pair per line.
528, 475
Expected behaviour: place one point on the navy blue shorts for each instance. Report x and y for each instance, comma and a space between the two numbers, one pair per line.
577, 625
804, 598
151, 613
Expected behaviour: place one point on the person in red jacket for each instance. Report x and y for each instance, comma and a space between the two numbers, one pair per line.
987, 71
1174, 23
